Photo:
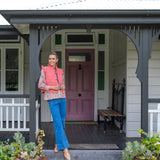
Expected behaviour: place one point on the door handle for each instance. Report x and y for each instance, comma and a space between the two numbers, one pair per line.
79, 95
79, 67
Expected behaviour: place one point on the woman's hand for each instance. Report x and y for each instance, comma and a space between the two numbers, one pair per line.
55, 87
63, 87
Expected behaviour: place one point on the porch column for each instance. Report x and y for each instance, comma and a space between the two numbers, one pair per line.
144, 56
33, 45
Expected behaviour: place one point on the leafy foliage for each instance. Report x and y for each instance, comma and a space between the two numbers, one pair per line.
20, 149
133, 149
148, 148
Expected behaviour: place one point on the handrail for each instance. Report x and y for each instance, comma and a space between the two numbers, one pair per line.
10, 114
14, 95
154, 100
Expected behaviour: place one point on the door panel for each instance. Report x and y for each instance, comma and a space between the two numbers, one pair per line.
87, 81
73, 81
80, 84
72, 109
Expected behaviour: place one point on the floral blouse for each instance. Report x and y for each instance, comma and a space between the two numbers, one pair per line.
49, 96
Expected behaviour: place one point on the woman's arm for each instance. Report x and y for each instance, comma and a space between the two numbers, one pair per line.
55, 87
42, 81
63, 85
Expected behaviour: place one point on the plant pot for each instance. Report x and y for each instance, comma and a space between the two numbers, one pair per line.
136, 159
44, 158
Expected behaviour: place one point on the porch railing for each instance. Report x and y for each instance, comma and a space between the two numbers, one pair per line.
13, 112
154, 117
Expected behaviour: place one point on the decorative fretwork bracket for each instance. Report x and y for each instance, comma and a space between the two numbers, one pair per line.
139, 34
143, 38
41, 33
44, 32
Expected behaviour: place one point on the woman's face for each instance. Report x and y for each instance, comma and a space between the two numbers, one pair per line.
52, 60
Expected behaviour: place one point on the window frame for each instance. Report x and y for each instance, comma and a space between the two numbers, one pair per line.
11, 40
79, 43
3, 48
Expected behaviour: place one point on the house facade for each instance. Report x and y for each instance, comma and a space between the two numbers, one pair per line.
94, 47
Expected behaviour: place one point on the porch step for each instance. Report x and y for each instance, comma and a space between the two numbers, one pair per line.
86, 155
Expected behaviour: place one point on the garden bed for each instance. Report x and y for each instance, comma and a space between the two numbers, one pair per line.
19, 150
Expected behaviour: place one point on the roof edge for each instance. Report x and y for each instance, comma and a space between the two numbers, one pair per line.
27, 16
77, 12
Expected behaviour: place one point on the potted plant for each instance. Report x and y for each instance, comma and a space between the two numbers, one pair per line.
147, 148
19, 150
133, 150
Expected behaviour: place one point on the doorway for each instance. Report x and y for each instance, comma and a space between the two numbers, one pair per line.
80, 84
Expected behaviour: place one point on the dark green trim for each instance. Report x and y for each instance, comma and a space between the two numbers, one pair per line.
58, 39
100, 80
101, 38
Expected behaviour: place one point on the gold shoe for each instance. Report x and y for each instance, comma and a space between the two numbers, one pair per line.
56, 149
67, 155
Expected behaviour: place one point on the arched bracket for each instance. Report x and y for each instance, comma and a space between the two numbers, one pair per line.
42, 32
140, 36
143, 38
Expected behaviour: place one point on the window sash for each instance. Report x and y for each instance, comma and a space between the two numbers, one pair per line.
17, 71
101, 74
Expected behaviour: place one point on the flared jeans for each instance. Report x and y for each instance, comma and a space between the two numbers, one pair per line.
58, 111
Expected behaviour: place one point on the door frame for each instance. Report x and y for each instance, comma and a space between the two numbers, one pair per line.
93, 64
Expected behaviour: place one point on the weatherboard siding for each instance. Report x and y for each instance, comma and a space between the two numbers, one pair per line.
133, 90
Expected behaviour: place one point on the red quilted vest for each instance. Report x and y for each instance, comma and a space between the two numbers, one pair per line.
51, 78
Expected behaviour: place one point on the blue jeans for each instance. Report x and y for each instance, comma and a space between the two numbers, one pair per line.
58, 111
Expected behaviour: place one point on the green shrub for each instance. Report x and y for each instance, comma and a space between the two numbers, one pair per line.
20, 149
133, 149
148, 147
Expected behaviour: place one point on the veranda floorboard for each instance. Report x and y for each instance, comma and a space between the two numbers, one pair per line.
87, 134
78, 134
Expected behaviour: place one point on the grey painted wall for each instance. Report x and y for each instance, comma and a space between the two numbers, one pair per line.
117, 52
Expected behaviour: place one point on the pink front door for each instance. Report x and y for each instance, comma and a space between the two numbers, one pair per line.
80, 84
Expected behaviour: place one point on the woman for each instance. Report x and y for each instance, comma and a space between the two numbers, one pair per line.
51, 83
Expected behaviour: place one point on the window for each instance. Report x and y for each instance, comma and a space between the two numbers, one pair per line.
79, 39
101, 39
11, 69
79, 57
101, 70
10, 39
11, 76
58, 39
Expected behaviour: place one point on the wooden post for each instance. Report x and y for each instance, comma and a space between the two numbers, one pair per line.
33, 44
146, 45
